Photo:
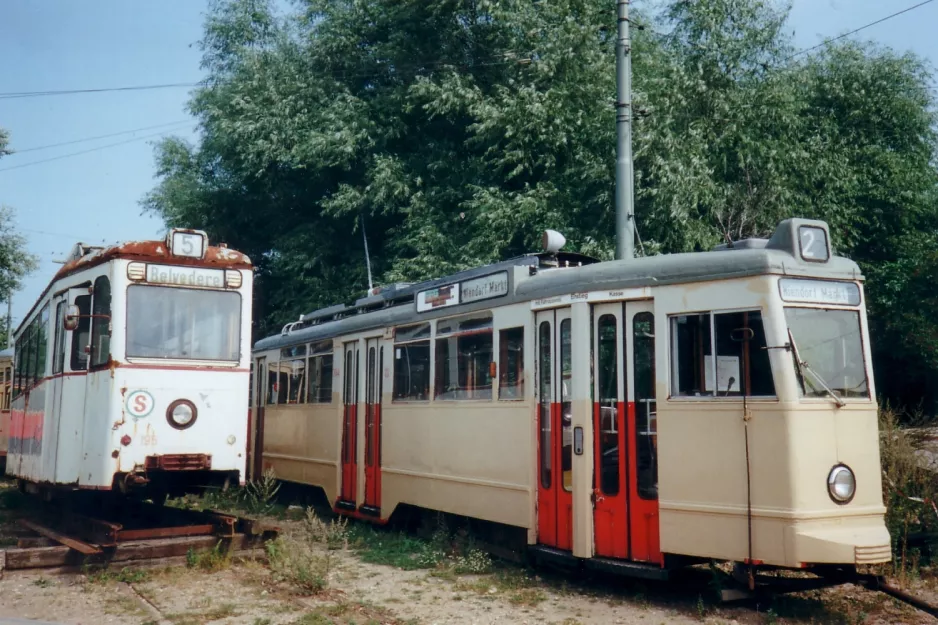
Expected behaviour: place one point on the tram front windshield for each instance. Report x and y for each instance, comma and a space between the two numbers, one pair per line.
184, 324
829, 344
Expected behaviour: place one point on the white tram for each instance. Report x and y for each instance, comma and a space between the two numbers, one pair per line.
635, 413
132, 370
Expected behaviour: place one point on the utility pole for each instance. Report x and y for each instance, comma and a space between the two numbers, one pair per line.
10, 319
625, 211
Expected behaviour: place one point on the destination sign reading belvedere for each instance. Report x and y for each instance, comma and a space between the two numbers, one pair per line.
186, 276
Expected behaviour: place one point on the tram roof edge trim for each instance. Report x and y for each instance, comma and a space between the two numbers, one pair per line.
778, 257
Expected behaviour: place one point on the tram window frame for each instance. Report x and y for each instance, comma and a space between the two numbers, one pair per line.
749, 369
471, 337
321, 362
296, 376
511, 369
413, 340
100, 323
42, 344
58, 350
79, 359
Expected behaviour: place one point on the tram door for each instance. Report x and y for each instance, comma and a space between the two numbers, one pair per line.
255, 464
350, 423
373, 370
555, 432
610, 488
642, 432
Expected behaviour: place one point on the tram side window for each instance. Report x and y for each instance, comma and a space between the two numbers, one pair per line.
319, 390
464, 358
742, 360
18, 367
58, 354
42, 344
511, 364
412, 363
293, 373
277, 383
79, 357
101, 322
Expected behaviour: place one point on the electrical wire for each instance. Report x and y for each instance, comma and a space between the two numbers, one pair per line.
856, 30
113, 134
100, 147
34, 94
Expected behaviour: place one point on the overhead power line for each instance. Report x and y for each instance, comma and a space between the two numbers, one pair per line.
35, 94
100, 147
856, 30
86, 139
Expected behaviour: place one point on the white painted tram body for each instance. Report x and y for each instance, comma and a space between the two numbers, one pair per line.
132, 370
707, 405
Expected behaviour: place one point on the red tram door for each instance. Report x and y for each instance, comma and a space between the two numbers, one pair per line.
610, 485
555, 431
373, 377
642, 433
348, 493
625, 495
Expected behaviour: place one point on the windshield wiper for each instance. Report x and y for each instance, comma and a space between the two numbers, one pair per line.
802, 366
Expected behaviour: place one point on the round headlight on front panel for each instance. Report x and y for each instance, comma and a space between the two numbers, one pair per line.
841, 484
181, 414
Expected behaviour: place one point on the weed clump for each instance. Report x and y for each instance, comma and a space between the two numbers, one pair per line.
305, 559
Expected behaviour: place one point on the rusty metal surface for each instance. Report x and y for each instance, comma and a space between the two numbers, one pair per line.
71, 543
179, 462
165, 532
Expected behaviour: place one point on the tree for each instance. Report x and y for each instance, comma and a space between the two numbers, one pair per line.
15, 261
458, 129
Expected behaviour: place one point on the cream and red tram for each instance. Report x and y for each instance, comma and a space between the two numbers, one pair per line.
6, 390
132, 370
706, 405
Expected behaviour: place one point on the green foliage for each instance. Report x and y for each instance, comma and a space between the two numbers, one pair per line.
459, 129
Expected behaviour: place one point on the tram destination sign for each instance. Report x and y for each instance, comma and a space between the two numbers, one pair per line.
186, 276
465, 292
819, 292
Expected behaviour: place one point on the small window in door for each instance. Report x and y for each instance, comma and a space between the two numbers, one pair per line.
545, 396
58, 356
566, 404
607, 388
79, 357
646, 423
101, 323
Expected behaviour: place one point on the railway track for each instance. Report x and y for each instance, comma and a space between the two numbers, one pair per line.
62, 535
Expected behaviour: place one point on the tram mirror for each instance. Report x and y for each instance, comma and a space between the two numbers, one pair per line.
578, 441
70, 322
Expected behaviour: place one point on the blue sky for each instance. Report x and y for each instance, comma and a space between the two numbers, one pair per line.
80, 44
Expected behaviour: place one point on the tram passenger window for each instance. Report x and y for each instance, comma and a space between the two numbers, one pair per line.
30, 356
464, 358
742, 360
412, 363
58, 355
79, 357
511, 364
277, 382
42, 344
319, 390
293, 366
101, 323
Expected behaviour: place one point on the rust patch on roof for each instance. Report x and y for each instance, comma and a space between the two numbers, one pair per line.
156, 252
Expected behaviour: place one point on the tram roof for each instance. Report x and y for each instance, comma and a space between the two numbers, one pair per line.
552, 275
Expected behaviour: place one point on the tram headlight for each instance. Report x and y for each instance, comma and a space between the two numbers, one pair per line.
181, 414
841, 484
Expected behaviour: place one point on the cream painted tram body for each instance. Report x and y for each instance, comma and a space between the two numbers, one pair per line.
708, 405
132, 370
